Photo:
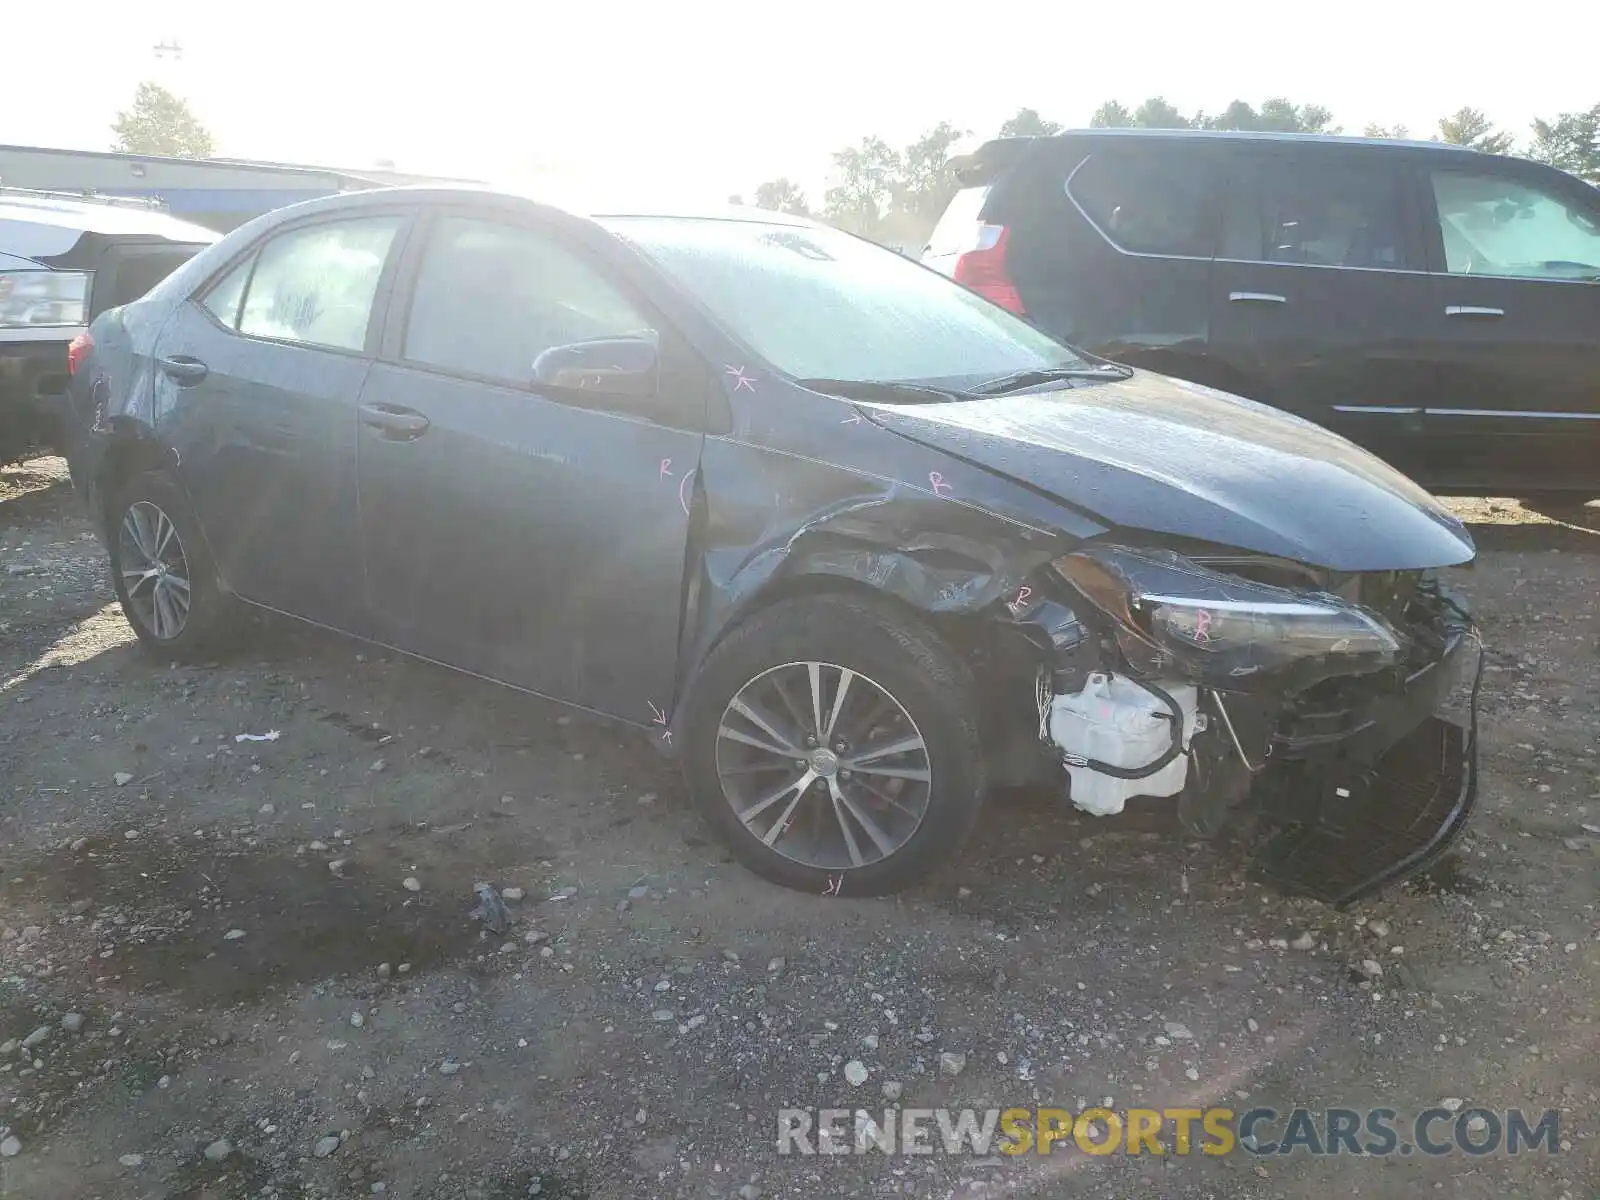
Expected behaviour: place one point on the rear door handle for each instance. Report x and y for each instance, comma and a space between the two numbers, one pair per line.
184, 370
1472, 310
398, 424
1256, 298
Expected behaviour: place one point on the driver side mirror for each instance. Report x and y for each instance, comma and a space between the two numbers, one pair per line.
624, 366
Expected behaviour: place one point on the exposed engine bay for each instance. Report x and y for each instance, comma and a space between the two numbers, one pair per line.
1263, 695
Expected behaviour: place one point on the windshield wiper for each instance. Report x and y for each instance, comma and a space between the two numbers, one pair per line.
883, 389
1018, 380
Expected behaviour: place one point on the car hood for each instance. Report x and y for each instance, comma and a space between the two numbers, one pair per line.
1171, 457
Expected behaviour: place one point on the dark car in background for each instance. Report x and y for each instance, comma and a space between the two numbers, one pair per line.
1437, 305
851, 541
63, 261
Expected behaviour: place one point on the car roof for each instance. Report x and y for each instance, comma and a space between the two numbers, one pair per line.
1243, 135
87, 216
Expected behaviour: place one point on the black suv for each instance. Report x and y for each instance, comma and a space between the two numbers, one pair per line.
1437, 305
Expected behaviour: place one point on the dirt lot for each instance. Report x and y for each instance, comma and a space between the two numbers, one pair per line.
228, 925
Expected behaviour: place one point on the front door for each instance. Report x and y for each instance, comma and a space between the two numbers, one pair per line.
1515, 320
255, 387
1318, 294
529, 533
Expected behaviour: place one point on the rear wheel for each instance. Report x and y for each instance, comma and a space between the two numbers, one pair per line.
833, 744
163, 573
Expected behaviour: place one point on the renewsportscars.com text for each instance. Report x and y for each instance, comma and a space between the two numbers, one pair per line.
1375, 1132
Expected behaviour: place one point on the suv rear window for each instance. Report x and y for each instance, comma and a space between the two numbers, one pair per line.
954, 232
1145, 203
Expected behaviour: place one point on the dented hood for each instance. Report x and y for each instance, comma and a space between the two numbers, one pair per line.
1171, 457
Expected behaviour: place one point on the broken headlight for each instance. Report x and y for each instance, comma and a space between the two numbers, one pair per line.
1174, 617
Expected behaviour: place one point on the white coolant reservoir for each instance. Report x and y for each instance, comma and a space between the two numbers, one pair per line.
1115, 721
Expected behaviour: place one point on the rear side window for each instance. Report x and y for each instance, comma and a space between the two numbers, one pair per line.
223, 299
955, 231
1146, 203
316, 284
1324, 214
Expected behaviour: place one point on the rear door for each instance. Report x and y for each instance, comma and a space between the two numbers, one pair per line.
1514, 323
1319, 297
256, 383
531, 534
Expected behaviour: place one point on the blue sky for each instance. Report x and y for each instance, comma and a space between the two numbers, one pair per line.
701, 98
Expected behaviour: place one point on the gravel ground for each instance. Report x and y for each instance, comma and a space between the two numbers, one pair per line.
255, 972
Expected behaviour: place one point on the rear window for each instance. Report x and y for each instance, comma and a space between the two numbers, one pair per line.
1146, 203
954, 232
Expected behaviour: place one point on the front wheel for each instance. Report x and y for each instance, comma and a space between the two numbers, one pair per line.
163, 573
832, 742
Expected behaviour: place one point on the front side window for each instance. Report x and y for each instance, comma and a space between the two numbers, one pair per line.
1146, 203
1493, 225
819, 304
491, 298
1314, 214
316, 284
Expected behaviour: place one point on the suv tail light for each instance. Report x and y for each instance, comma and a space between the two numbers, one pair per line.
78, 351
983, 269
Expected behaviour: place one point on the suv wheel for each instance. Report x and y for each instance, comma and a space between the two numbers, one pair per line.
162, 571
833, 744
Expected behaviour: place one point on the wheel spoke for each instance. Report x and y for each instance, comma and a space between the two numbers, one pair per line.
746, 739
880, 839
814, 674
845, 678
851, 846
164, 531
921, 774
903, 746
764, 723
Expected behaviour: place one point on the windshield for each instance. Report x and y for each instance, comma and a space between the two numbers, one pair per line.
818, 303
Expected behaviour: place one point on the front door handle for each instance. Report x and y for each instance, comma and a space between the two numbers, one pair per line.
1256, 298
397, 424
185, 371
1472, 310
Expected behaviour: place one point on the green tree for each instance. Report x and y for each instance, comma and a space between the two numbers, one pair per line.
1156, 113
1028, 123
160, 123
1374, 130
926, 182
1276, 115
1571, 142
1238, 115
1111, 115
782, 195
1469, 127
869, 174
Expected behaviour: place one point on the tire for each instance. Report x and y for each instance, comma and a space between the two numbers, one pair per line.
929, 693
210, 620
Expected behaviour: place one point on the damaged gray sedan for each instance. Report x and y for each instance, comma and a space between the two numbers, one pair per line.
853, 543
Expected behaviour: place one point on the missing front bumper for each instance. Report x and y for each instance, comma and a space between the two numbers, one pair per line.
1357, 831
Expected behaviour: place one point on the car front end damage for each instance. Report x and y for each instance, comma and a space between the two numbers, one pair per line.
1296, 706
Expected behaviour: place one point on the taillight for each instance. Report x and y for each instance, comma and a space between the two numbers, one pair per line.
983, 269
78, 351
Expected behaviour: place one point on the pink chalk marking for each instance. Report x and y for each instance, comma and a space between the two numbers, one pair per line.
940, 487
835, 883
852, 419
666, 469
740, 379
1202, 626
683, 490
1021, 602
660, 718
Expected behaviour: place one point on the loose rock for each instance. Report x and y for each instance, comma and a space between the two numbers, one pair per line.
219, 1149
411, 883
72, 1022
11, 1147
952, 1063
131, 1160
326, 1146
855, 1072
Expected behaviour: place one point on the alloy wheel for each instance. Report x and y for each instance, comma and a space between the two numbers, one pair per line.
155, 572
823, 765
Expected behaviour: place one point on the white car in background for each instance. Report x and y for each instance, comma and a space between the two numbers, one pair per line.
63, 261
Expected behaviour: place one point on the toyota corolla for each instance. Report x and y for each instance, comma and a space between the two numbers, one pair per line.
851, 542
